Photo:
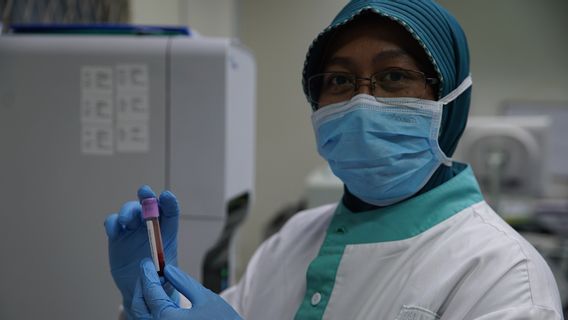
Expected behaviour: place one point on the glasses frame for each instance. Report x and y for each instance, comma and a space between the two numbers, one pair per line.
372, 82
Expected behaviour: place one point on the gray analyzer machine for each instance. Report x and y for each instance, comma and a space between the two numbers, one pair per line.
84, 122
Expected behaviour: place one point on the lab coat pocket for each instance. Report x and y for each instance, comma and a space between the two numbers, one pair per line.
410, 312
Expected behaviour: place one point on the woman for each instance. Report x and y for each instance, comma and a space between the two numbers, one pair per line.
412, 237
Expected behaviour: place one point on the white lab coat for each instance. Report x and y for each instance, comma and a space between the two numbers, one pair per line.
446, 256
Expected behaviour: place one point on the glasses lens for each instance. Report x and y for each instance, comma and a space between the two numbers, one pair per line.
326, 88
400, 83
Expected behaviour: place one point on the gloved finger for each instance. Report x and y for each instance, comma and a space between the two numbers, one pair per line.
139, 308
156, 298
169, 214
145, 192
186, 285
130, 215
168, 204
112, 227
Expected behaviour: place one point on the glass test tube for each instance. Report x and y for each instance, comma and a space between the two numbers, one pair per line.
150, 213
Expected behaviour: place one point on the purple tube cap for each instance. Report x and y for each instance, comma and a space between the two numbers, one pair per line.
150, 208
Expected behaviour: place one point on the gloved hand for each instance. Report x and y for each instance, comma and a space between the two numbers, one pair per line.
150, 301
128, 240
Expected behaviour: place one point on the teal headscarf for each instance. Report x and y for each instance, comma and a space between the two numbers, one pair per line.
444, 42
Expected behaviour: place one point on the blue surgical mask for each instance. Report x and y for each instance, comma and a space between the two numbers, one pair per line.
384, 151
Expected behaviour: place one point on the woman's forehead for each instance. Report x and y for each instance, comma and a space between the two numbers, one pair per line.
374, 32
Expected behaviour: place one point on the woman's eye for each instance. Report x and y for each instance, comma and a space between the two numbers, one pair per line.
339, 80
393, 76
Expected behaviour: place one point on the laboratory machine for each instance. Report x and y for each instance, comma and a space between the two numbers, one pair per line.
85, 120
509, 157
557, 112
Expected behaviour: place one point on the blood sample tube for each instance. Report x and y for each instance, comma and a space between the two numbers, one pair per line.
150, 213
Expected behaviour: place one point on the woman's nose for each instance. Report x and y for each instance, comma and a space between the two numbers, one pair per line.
364, 85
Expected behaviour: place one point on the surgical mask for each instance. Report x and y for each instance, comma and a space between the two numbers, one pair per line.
384, 151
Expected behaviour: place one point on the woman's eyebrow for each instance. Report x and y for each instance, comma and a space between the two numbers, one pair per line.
347, 62
340, 61
391, 54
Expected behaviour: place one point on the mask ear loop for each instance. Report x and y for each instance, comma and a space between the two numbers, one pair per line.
466, 83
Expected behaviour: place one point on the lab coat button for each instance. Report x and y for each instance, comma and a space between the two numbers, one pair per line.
316, 298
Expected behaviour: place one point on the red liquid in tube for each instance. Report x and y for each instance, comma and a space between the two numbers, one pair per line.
150, 213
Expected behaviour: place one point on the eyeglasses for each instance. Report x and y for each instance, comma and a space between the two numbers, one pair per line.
332, 87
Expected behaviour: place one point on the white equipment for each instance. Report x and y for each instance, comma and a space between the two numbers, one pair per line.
558, 131
84, 122
509, 159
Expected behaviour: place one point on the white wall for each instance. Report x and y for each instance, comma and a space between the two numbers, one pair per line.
215, 18
518, 50
155, 12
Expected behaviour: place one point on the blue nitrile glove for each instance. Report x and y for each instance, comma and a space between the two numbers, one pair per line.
128, 240
150, 301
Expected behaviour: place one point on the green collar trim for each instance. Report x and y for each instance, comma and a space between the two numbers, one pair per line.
409, 218
397, 222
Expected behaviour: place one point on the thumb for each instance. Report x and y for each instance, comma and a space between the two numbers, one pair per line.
186, 285
156, 298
